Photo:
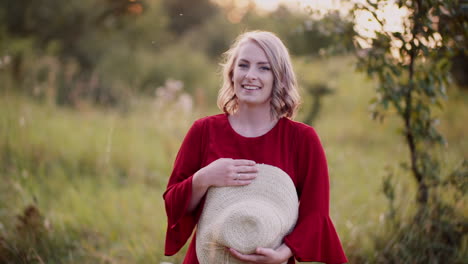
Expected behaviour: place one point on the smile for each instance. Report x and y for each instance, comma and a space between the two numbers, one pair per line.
250, 87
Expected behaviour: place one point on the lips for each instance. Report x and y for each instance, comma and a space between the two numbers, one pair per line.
250, 87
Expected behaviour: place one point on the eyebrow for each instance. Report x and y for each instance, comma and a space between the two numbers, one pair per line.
261, 62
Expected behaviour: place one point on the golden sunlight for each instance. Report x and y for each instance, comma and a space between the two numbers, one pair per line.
365, 24
390, 15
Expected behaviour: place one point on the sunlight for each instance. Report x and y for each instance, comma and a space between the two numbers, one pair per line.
267, 5
365, 24
270, 5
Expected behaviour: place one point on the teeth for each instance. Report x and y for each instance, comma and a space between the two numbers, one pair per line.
248, 87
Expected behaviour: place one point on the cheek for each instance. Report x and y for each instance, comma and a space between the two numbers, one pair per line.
238, 79
271, 80
235, 76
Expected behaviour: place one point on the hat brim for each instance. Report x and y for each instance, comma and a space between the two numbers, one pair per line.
246, 217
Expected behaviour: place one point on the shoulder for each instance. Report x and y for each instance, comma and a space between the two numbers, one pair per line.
202, 128
299, 129
209, 122
210, 119
304, 137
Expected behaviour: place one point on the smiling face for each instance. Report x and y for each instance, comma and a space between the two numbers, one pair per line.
252, 76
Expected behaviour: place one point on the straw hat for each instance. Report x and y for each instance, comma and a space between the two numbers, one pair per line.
246, 217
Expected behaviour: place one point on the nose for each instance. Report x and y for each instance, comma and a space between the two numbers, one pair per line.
251, 75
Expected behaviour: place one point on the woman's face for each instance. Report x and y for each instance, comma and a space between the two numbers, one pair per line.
252, 75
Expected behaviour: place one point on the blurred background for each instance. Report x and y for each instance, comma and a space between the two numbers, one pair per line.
96, 97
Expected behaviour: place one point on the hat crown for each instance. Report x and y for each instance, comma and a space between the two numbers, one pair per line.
252, 227
246, 217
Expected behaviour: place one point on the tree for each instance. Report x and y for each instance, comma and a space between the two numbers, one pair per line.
76, 41
188, 14
412, 68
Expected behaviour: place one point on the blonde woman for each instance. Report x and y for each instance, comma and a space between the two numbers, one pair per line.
259, 98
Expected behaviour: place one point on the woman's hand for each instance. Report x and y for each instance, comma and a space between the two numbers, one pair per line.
265, 255
221, 172
227, 172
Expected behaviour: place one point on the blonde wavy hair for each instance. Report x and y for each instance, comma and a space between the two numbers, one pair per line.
285, 97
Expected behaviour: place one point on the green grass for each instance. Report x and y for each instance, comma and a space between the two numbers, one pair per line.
97, 176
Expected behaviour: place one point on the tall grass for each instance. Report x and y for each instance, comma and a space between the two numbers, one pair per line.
96, 176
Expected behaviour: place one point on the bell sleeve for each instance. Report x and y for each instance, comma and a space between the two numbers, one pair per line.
180, 222
314, 237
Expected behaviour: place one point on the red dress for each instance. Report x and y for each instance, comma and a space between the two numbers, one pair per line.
292, 146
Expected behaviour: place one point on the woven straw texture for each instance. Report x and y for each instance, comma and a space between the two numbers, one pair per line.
246, 217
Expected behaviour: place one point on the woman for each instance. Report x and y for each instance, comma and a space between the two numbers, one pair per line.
259, 96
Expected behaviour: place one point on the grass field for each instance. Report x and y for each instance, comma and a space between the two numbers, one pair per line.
97, 176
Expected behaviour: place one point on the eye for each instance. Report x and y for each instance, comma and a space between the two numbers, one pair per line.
243, 65
265, 68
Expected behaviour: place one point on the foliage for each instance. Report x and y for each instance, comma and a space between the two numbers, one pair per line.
97, 175
33, 241
209, 40
185, 15
102, 52
436, 233
412, 68
448, 22
305, 34
317, 91
77, 38
86, 187
90, 179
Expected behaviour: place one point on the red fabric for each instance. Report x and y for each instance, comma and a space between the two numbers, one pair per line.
292, 146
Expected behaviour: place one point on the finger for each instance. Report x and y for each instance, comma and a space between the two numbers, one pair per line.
244, 257
244, 162
246, 169
242, 182
236, 253
263, 251
245, 176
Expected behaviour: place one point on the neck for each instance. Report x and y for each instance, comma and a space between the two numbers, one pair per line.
252, 121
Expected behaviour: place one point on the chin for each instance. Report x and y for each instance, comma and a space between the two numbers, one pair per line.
253, 102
